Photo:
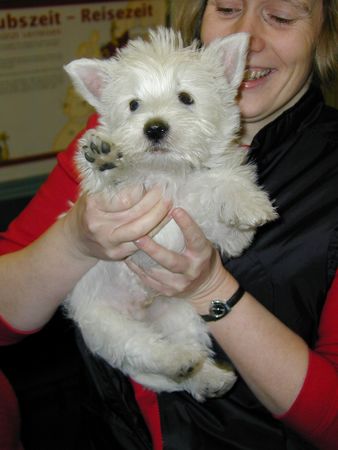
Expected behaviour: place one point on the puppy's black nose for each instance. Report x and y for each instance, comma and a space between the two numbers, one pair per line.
155, 130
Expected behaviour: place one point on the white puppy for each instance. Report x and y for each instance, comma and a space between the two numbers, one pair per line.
168, 116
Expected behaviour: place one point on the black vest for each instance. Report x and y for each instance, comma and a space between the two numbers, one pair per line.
288, 268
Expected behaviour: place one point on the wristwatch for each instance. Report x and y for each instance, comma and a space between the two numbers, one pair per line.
220, 308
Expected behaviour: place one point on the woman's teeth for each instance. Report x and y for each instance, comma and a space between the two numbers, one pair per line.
251, 74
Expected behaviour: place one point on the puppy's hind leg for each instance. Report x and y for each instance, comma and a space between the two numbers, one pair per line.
133, 346
180, 323
183, 326
184, 331
211, 381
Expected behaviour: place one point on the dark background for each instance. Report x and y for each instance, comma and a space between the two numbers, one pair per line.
48, 376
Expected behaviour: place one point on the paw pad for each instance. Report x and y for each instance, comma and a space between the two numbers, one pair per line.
102, 154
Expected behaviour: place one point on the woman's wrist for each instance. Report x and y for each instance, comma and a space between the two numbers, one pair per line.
72, 242
220, 285
223, 292
219, 307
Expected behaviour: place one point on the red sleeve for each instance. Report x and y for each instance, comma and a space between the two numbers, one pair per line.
9, 417
51, 200
314, 413
10, 335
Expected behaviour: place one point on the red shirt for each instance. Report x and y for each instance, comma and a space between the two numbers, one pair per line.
314, 413
9, 411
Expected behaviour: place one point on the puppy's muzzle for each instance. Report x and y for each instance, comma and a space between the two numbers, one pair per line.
156, 130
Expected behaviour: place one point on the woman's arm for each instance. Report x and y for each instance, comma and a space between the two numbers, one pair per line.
44, 257
272, 359
35, 280
315, 411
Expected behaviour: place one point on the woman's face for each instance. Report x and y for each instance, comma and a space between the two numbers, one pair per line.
283, 37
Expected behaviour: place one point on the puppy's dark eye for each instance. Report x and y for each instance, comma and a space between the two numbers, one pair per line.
134, 105
185, 98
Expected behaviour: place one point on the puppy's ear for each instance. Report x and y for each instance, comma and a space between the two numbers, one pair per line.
232, 53
89, 76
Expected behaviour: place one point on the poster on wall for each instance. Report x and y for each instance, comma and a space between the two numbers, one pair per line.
40, 112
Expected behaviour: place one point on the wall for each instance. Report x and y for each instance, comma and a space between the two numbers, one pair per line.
16, 188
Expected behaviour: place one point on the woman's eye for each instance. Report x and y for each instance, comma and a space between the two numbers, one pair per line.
185, 98
134, 105
283, 16
228, 11
281, 20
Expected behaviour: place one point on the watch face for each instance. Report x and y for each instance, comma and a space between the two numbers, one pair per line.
218, 309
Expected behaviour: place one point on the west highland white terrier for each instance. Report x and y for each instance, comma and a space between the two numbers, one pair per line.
168, 117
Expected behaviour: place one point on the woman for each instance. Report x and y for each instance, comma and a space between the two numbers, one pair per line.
282, 267
286, 395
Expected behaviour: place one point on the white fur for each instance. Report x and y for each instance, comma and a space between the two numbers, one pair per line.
162, 342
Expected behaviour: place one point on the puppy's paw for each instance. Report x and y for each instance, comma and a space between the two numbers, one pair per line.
252, 211
99, 152
211, 381
180, 362
220, 383
187, 369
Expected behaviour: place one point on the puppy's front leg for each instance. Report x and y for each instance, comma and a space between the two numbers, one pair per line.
242, 203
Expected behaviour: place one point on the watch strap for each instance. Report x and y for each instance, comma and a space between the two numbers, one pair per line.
220, 308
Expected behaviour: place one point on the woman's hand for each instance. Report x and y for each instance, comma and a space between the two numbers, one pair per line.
105, 228
195, 273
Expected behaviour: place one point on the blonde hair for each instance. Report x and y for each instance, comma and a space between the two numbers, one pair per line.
189, 19
326, 52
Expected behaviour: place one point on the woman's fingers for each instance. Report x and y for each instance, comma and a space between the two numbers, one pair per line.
142, 217
159, 283
106, 228
121, 201
113, 227
193, 235
177, 273
172, 261
125, 204
143, 224
196, 246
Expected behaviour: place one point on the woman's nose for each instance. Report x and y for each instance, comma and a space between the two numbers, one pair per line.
250, 25
256, 43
